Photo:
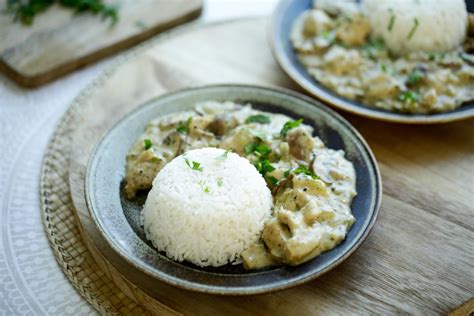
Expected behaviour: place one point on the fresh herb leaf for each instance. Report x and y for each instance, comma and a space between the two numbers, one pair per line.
289, 125
413, 29
272, 179
183, 127
414, 77
250, 148
304, 170
195, 165
207, 190
224, 154
148, 144
373, 47
409, 96
26, 11
263, 166
287, 173
391, 22
263, 150
258, 118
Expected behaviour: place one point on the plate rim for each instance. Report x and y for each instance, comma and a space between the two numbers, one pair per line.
236, 290
314, 89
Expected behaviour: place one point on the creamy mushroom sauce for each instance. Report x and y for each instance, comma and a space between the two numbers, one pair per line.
312, 186
335, 46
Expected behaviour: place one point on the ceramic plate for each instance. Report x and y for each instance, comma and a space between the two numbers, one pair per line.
285, 14
118, 219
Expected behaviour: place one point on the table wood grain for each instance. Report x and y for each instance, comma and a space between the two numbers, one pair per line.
419, 258
58, 42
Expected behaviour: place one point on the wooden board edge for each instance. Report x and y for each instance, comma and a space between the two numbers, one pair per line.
66, 68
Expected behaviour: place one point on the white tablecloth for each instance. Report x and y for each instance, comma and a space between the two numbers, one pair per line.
31, 282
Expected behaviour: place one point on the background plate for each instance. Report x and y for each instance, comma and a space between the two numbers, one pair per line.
285, 14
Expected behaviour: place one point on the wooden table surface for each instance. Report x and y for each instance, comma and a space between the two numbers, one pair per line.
419, 257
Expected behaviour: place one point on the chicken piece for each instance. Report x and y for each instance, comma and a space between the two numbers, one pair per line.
380, 85
354, 31
315, 22
237, 141
257, 257
174, 144
198, 125
306, 29
141, 170
341, 61
301, 143
309, 186
289, 238
316, 210
275, 235
430, 98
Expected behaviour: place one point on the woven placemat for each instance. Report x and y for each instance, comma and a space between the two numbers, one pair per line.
58, 214
62, 228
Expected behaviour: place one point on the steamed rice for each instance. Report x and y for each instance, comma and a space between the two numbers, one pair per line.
209, 216
418, 25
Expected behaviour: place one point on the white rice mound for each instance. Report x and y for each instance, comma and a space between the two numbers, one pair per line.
442, 24
206, 217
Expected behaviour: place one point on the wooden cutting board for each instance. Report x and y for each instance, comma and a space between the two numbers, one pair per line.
59, 42
417, 260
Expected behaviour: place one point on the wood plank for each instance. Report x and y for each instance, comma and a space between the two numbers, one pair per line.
58, 43
419, 257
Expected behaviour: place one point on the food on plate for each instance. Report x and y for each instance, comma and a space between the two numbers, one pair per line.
206, 206
298, 192
414, 56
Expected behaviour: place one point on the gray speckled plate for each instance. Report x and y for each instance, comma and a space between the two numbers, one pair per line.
284, 16
118, 219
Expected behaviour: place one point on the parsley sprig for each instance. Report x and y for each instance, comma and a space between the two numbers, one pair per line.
224, 154
258, 118
26, 10
290, 125
194, 165
147, 144
183, 127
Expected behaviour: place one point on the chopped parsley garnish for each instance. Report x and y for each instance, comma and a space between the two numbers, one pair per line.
289, 125
250, 148
258, 118
261, 150
304, 170
391, 22
195, 165
413, 29
263, 166
409, 96
372, 48
206, 189
272, 180
220, 182
224, 154
183, 127
148, 144
415, 76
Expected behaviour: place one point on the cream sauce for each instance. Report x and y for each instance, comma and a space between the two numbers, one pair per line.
312, 186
